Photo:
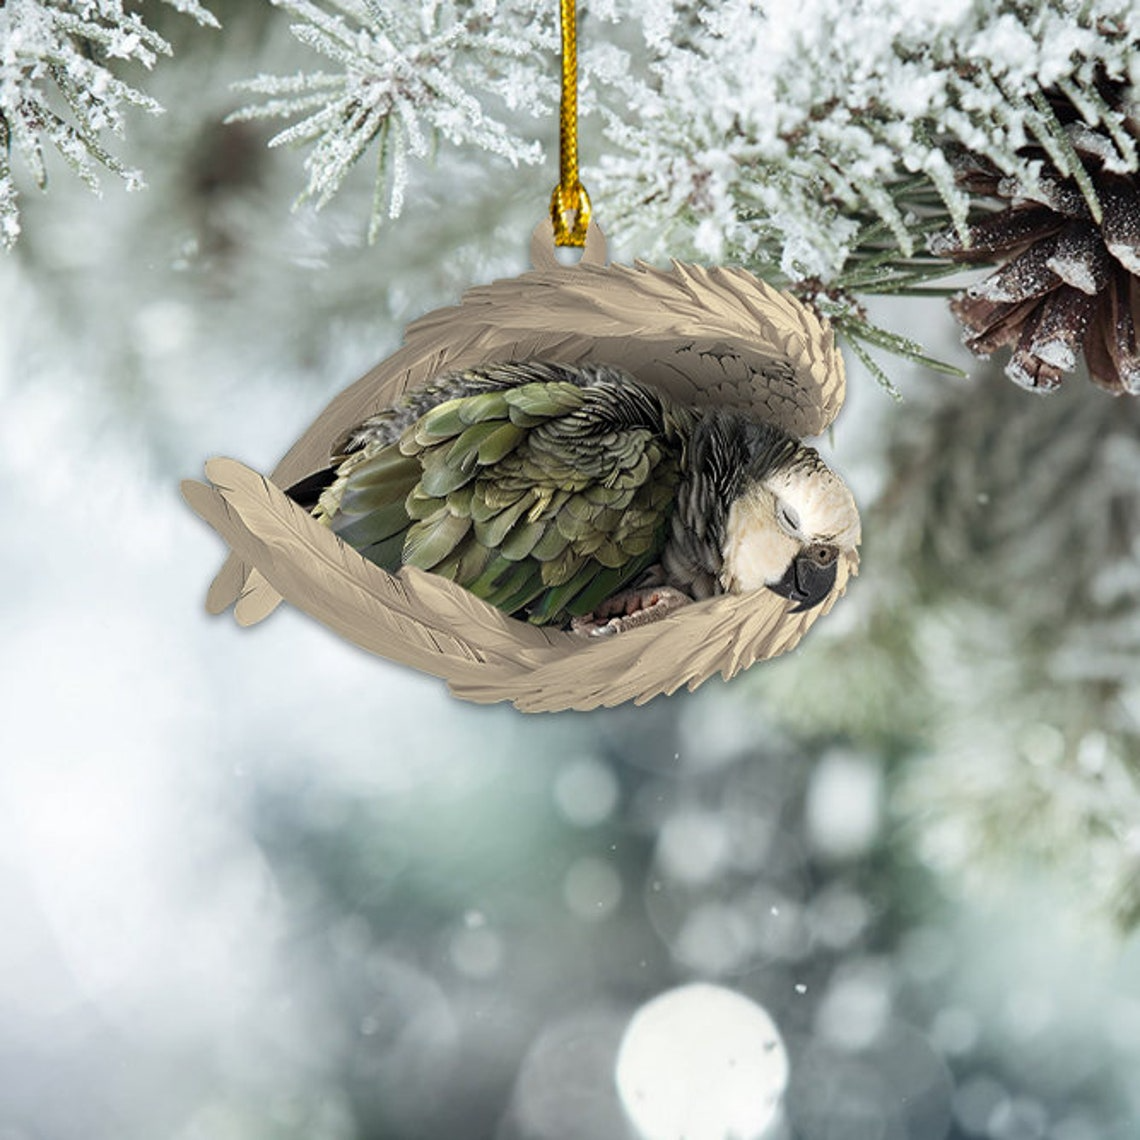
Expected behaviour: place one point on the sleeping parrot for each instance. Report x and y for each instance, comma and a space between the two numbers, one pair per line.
576, 496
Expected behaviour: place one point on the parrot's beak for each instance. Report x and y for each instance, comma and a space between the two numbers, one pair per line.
807, 582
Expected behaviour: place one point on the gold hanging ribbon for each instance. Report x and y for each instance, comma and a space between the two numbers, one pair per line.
569, 195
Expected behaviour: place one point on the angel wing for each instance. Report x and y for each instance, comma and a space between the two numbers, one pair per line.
703, 336
428, 622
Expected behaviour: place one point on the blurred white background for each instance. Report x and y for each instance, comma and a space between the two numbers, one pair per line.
255, 884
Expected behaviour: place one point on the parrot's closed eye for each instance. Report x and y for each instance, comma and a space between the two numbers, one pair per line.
789, 519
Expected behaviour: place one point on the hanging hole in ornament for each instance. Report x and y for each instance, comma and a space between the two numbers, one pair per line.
569, 254
546, 255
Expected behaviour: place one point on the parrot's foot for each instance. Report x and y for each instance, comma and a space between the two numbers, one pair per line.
630, 609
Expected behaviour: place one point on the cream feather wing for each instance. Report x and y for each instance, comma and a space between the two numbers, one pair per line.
431, 624
706, 336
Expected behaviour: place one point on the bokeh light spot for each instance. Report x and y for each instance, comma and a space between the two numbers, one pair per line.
477, 952
701, 1063
844, 805
586, 792
592, 889
693, 846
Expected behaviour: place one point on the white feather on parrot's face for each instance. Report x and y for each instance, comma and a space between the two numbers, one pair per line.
814, 504
757, 550
787, 530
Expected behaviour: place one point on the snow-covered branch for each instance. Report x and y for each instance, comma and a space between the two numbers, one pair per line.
799, 121
822, 146
830, 145
405, 75
837, 151
58, 87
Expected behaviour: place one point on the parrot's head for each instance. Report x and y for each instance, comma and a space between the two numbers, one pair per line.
788, 529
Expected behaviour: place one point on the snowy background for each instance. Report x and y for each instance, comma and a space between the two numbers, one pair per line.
255, 884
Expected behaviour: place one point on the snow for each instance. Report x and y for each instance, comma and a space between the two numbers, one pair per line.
799, 83
65, 42
404, 79
1077, 272
731, 130
1057, 352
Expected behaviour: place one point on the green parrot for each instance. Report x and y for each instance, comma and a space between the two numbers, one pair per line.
575, 495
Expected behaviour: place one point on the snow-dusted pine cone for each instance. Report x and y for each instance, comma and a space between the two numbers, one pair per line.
1068, 280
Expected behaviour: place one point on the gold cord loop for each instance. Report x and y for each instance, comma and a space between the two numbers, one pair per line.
569, 195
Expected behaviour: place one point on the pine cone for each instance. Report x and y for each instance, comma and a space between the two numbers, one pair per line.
1066, 282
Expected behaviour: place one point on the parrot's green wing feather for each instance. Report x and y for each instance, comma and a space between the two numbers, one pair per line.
541, 497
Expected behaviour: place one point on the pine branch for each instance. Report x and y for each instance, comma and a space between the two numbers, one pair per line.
59, 54
404, 76
827, 142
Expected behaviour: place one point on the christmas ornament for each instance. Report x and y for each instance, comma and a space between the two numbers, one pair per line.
578, 487
1068, 240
